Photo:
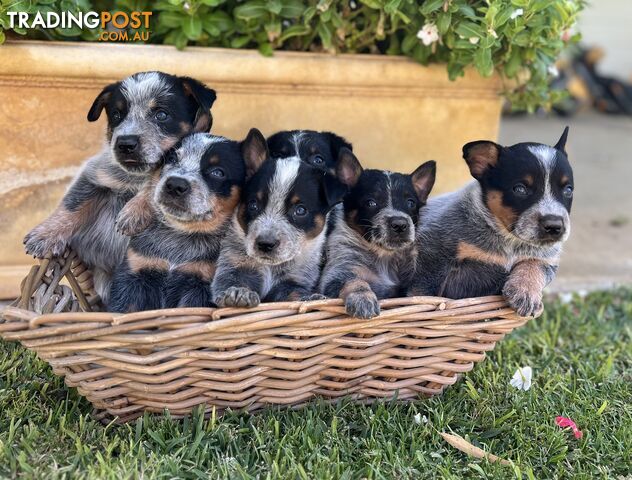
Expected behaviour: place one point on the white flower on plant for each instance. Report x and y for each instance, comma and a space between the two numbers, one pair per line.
187, 6
419, 419
492, 32
428, 34
522, 378
516, 13
474, 40
353, 5
553, 71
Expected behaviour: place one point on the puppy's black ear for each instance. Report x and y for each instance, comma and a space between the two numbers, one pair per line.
424, 178
348, 168
204, 97
333, 189
480, 156
255, 151
336, 143
101, 101
561, 143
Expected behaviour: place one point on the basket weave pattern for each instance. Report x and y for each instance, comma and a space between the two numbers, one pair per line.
278, 353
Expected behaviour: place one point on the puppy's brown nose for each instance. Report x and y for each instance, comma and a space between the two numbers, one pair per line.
552, 227
398, 224
266, 244
127, 144
177, 186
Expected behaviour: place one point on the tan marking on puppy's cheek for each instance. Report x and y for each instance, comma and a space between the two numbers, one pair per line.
467, 251
203, 270
352, 220
167, 142
319, 224
224, 207
221, 209
185, 128
138, 262
354, 286
241, 216
505, 215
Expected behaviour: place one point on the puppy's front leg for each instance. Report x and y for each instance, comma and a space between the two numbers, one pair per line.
524, 286
189, 285
360, 300
138, 213
237, 287
76, 209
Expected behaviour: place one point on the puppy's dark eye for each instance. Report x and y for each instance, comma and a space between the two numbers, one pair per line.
116, 115
253, 206
218, 173
171, 157
411, 203
161, 115
318, 160
300, 211
568, 191
371, 203
520, 190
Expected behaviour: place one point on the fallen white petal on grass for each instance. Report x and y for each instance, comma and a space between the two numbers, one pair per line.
461, 444
522, 378
419, 419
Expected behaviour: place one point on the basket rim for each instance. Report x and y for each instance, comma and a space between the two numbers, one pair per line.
386, 305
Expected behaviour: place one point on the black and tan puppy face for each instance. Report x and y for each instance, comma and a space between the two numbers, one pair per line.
319, 149
384, 206
528, 187
200, 183
148, 113
284, 208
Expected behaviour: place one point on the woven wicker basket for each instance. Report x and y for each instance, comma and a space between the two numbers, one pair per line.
275, 354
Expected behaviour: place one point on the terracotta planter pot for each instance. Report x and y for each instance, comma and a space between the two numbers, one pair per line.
395, 112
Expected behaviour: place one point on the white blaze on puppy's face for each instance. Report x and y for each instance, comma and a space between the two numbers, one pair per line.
528, 224
272, 223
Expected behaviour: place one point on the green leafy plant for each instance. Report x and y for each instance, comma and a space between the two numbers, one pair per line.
516, 39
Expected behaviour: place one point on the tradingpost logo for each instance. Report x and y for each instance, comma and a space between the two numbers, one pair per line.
113, 26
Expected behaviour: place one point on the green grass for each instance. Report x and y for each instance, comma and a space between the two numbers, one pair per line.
582, 361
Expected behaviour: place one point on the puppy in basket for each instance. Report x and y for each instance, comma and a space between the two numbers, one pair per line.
171, 263
502, 233
147, 114
274, 249
371, 250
